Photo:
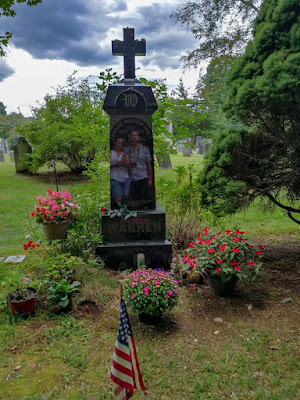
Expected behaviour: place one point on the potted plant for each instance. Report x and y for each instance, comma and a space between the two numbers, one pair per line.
55, 212
149, 293
225, 257
22, 297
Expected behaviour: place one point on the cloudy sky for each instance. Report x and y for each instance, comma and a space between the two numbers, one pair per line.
54, 38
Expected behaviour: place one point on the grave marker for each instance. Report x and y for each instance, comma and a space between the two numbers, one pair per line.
130, 105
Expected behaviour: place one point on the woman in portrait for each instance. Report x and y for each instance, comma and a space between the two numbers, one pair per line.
119, 171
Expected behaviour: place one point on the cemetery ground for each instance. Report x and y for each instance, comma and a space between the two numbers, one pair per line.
243, 347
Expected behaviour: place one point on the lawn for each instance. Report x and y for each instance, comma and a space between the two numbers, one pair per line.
253, 353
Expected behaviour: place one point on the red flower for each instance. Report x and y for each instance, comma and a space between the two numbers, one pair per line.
186, 257
207, 241
244, 240
251, 263
218, 270
235, 250
237, 268
32, 213
205, 231
232, 262
236, 239
260, 247
191, 244
200, 241
219, 261
211, 250
223, 247
49, 191
258, 253
103, 209
228, 231
219, 233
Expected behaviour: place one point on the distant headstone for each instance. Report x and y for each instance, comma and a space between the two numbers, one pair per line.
21, 147
206, 148
5, 146
201, 147
2, 156
164, 162
198, 140
12, 156
187, 151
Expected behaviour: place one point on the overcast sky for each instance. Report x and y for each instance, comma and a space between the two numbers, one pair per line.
54, 38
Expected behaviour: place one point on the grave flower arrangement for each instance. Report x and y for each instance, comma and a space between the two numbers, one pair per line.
150, 292
226, 254
55, 207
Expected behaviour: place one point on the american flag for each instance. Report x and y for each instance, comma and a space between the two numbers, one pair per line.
125, 371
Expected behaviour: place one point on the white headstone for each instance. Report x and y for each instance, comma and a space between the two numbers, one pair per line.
15, 259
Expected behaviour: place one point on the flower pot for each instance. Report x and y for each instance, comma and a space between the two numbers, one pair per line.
24, 305
56, 230
150, 319
221, 288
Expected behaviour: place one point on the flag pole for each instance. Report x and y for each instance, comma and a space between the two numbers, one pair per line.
121, 291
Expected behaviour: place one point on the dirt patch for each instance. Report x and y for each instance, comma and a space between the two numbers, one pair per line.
63, 177
89, 309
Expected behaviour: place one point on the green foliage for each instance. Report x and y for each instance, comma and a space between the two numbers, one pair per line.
2, 109
8, 124
61, 291
263, 92
70, 127
221, 26
7, 11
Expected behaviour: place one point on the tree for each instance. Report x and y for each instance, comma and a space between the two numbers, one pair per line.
221, 26
70, 127
7, 11
2, 109
8, 123
263, 160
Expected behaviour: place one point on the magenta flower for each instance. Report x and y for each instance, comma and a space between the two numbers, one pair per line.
146, 290
133, 296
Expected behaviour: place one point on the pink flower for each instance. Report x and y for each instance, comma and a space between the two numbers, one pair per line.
170, 293
218, 270
132, 283
211, 251
26, 279
146, 290
133, 296
51, 217
191, 244
176, 291
156, 282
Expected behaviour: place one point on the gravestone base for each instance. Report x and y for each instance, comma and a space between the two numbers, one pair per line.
124, 239
123, 255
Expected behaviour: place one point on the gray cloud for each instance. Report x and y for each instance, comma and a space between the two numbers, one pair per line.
5, 70
72, 30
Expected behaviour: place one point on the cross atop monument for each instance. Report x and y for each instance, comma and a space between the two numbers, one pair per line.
129, 48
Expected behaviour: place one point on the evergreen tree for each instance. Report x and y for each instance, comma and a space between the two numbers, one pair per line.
263, 160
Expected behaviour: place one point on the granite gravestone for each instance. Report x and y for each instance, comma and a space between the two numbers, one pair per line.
21, 147
2, 156
187, 151
130, 105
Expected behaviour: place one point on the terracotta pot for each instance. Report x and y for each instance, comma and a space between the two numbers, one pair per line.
56, 230
150, 319
220, 288
25, 306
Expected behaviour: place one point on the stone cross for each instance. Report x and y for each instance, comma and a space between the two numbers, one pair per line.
129, 48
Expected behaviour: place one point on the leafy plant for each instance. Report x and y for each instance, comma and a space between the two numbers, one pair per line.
123, 209
61, 291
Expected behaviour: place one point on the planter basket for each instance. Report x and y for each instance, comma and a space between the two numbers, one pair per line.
23, 306
56, 230
220, 288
